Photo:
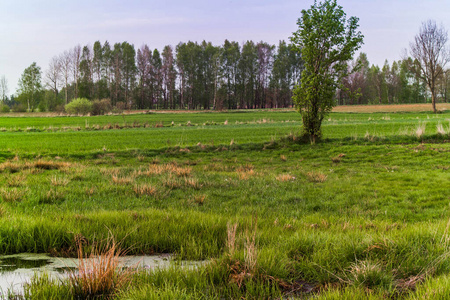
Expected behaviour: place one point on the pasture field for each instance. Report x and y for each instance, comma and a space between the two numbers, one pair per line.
363, 214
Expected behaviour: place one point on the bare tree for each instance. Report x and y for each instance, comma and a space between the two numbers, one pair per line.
66, 67
429, 50
76, 59
3, 89
53, 75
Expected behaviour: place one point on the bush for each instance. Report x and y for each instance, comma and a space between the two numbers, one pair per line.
19, 108
101, 107
79, 106
4, 108
120, 107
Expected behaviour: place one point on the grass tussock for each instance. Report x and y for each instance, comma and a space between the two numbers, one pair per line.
316, 177
59, 181
13, 195
100, 274
171, 169
285, 177
145, 190
122, 180
16, 180
17, 166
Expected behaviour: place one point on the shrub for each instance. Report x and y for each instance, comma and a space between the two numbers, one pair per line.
19, 108
4, 108
81, 106
120, 107
101, 107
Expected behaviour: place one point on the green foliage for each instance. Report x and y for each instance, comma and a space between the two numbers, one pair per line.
79, 106
4, 108
101, 107
327, 40
30, 87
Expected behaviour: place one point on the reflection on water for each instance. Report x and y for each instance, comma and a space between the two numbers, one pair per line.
15, 270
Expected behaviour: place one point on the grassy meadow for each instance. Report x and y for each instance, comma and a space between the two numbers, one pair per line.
364, 214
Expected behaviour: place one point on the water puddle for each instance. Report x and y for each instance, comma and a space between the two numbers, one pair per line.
16, 270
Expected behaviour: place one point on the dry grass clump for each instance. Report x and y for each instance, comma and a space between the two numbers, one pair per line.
441, 130
192, 183
51, 196
49, 165
420, 130
100, 274
285, 177
122, 180
144, 190
59, 181
231, 237
369, 274
11, 167
316, 176
283, 158
174, 169
245, 172
16, 180
12, 195
14, 167
244, 175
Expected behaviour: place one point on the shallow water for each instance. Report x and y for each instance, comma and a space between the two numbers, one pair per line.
16, 270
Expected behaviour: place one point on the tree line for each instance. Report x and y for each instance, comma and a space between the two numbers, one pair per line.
190, 76
399, 82
204, 76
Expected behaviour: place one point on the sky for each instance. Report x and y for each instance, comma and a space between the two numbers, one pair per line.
35, 31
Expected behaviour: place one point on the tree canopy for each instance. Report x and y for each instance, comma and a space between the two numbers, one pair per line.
326, 40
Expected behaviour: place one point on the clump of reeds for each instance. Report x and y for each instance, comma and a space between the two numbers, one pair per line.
441, 130
99, 274
231, 237
420, 130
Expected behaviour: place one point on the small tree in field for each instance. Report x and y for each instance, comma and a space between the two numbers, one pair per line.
326, 40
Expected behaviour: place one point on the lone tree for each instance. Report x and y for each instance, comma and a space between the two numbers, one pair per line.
326, 40
30, 85
431, 55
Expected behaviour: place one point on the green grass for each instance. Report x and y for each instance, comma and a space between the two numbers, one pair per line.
362, 214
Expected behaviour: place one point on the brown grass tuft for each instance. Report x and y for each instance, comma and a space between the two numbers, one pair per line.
231, 237
122, 180
16, 180
285, 177
144, 190
12, 195
59, 181
316, 177
100, 274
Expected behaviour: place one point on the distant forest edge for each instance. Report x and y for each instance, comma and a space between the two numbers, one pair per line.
203, 76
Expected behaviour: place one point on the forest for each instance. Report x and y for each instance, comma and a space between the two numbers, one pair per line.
203, 76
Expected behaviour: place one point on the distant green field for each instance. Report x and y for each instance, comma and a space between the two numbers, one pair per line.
64, 135
362, 214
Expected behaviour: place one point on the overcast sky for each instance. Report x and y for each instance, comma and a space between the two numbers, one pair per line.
38, 30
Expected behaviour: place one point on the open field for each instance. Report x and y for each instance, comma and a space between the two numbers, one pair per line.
392, 108
363, 214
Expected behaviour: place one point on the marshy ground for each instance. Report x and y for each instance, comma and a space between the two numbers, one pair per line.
364, 213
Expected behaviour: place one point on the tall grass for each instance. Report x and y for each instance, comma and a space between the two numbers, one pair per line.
99, 274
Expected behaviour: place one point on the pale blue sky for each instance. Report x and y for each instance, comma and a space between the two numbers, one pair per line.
38, 30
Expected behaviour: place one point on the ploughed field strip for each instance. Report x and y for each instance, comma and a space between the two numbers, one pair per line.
363, 213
